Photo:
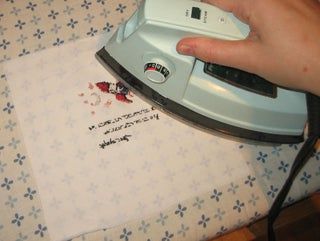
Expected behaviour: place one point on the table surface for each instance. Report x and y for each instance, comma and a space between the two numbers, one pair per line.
28, 27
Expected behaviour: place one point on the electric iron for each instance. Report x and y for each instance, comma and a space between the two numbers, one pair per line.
143, 54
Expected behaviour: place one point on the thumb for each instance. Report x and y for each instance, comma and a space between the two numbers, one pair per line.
241, 54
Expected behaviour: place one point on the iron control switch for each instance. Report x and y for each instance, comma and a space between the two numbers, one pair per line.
241, 79
156, 72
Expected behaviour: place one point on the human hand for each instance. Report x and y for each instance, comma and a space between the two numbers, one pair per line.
283, 45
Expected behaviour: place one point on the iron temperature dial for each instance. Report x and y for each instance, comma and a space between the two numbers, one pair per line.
156, 72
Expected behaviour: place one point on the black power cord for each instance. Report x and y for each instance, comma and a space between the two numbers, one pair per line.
313, 107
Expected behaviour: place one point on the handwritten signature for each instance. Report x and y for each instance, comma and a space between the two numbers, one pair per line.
111, 141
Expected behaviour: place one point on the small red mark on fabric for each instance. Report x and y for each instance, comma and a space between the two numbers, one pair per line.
108, 103
123, 98
81, 94
118, 89
91, 86
103, 86
86, 102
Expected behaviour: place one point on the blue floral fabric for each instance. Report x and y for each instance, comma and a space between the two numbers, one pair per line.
27, 27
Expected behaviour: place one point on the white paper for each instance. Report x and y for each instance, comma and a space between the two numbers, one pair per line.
156, 162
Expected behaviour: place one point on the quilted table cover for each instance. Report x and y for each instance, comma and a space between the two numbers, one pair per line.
196, 193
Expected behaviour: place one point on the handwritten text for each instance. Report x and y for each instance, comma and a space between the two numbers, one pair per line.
109, 142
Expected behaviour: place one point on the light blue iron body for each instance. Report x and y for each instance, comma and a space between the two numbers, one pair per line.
151, 35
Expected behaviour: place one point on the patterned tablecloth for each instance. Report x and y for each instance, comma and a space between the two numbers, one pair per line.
27, 27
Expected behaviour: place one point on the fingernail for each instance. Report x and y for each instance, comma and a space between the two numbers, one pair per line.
185, 49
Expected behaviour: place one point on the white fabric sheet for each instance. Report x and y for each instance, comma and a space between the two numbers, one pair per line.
152, 162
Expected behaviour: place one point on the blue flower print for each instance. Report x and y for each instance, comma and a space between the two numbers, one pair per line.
305, 178
30, 193
31, 6
121, 8
168, 236
108, 27
19, 159
273, 191
40, 231
216, 195
86, 4
238, 207
283, 167
17, 219
180, 210
250, 180
262, 157
7, 183
8, 108
204, 221
125, 234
